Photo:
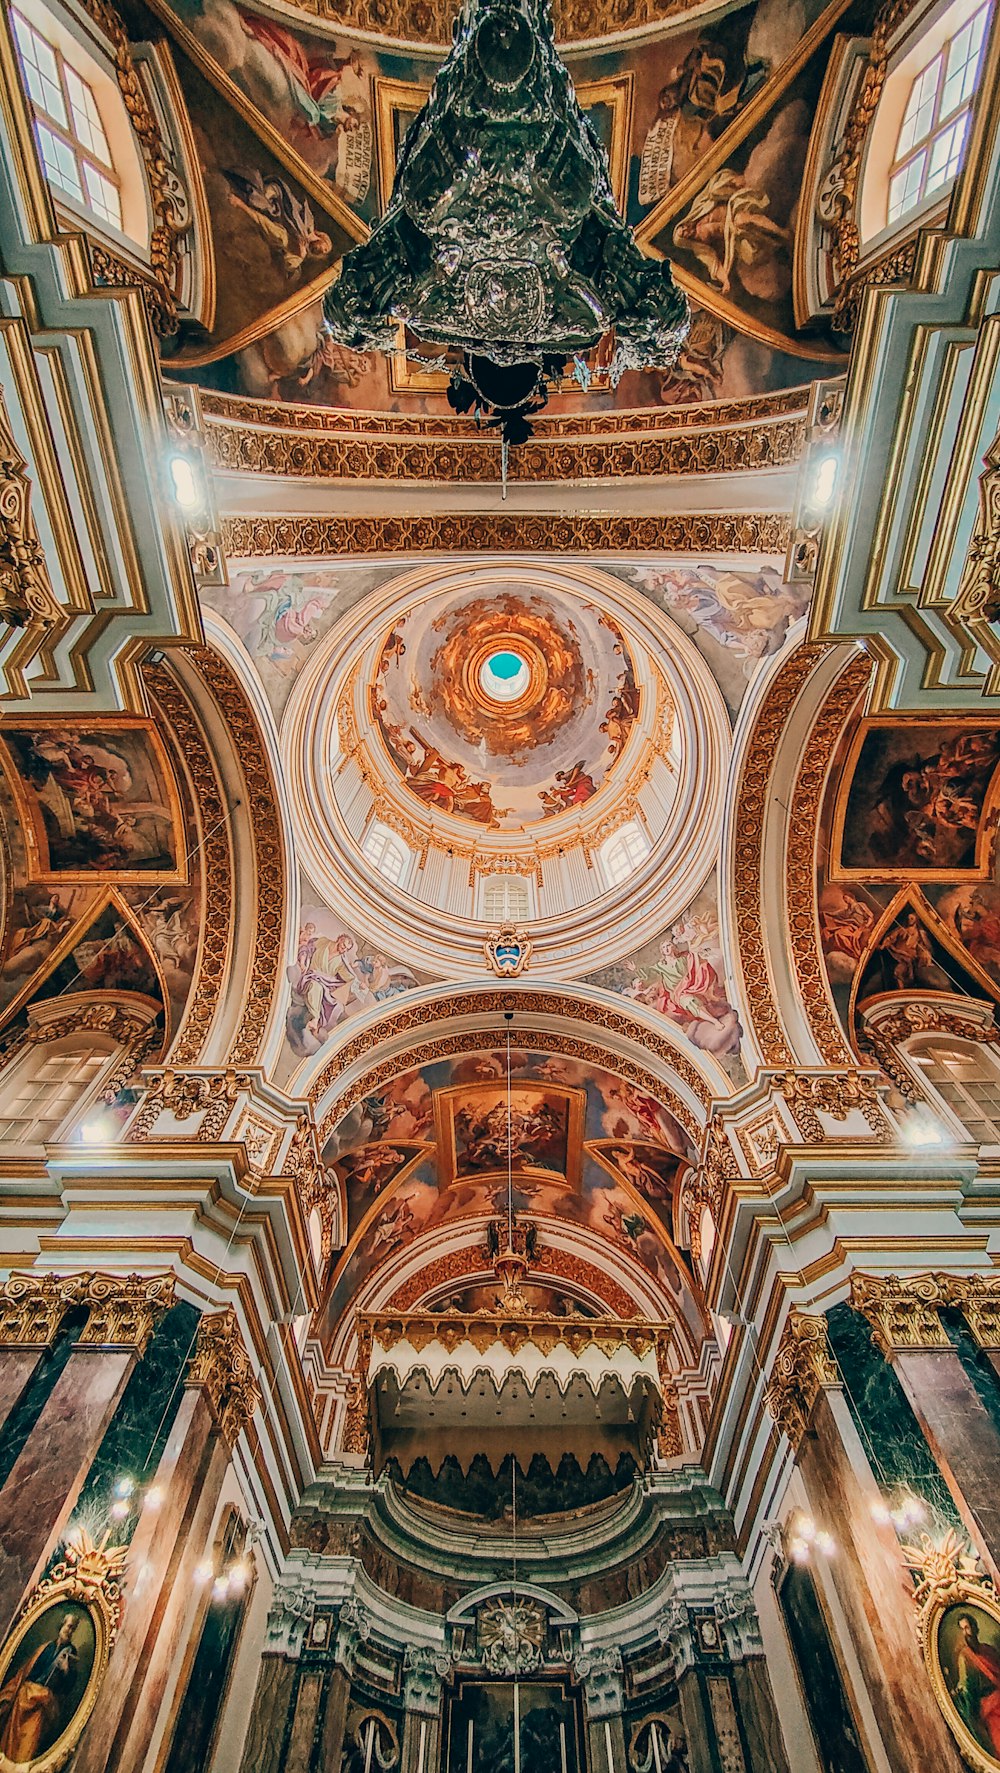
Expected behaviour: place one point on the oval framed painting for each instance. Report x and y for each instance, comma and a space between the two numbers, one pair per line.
961, 1633
51, 1668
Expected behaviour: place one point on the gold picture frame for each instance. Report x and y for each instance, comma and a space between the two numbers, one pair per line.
963, 1661
55, 1657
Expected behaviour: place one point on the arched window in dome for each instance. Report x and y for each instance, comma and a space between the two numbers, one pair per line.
623, 852
72, 140
506, 899
965, 1076
387, 852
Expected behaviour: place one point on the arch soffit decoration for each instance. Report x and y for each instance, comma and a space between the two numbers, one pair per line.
576, 1255
780, 780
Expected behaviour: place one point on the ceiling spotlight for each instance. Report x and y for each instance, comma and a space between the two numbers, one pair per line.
825, 471
185, 482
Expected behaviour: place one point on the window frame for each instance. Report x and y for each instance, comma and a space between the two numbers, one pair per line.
623, 837
918, 155
61, 130
925, 1060
381, 834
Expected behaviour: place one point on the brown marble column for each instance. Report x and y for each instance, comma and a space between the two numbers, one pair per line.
873, 1587
32, 1307
220, 1398
188, 1481
263, 1750
48, 1474
758, 1716
695, 1720
965, 1442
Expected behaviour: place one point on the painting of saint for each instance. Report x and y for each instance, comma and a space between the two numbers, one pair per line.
102, 800
916, 798
332, 977
528, 1133
846, 921
680, 977
45, 1681
968, 1646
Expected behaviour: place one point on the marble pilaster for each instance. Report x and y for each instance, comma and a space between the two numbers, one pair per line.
48, 1473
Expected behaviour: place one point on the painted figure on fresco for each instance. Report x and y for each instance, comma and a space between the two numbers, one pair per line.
315, 80
976, 1684
572, 787
101, 798
333, 978
531, 1131
38, 1700
697, 100
976, 917
684, 985
46, 920
438, 781
286, 221
924, 809
846, 923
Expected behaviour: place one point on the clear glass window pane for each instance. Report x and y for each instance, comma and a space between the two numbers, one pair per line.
87, 125
964, 52
41, 70
946, 153
102, 195
59, 162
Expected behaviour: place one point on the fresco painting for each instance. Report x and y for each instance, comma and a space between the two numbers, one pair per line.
916, 799
973, 913
334, 975
341, 109
681, 975
101, 800
557, 1173
504, 765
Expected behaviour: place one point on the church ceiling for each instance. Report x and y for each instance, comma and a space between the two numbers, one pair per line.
586, 1149
706, 123
908, 892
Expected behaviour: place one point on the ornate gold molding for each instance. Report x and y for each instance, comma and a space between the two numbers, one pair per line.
749, 825
474, 458
802, 1367
902, 1310
26, 594
117, 1021
705, 1185
805, 805
483, 1003
266, 968
171, 208
124, 1309
539, 1329
211, 814
183, 1094
465, 1265
302, 538
32, 1306
839, 1095
427, 24
241, 410
977, 1297
978, 596
220, 1366
887, 1034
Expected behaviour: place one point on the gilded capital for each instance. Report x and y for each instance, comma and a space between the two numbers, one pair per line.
124, 1309
902, 1310
32, 1307
977, 1297
221, 1366
802, 1366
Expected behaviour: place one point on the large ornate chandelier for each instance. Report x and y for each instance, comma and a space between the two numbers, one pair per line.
501, 240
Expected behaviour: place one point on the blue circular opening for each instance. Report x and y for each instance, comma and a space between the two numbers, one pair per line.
505, 665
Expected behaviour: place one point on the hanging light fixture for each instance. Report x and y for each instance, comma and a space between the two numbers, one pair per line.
501, 240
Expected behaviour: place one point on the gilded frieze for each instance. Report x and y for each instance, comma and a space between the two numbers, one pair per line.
300, 538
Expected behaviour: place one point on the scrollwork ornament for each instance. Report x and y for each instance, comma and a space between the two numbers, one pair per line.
803, 1366
902, 1311
26, 594
32, 1306
124, 1309
221, 1367
328, 537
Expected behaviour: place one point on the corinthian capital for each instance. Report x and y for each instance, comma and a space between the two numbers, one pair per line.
902, 1310
977, 1297
802, 1366
32, 1307
221, 1366
124, 1309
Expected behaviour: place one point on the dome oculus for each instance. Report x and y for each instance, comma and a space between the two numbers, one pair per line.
504, 676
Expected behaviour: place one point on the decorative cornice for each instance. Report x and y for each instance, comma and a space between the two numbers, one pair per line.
902, 1310
241, 411
886, 1033
117, 1021
482, 1329
236, 449
302, 538
124, 1309
220, 1366
32, 1306
838, 1095
458, 1265
427, 24
182, 1094
802, 1367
